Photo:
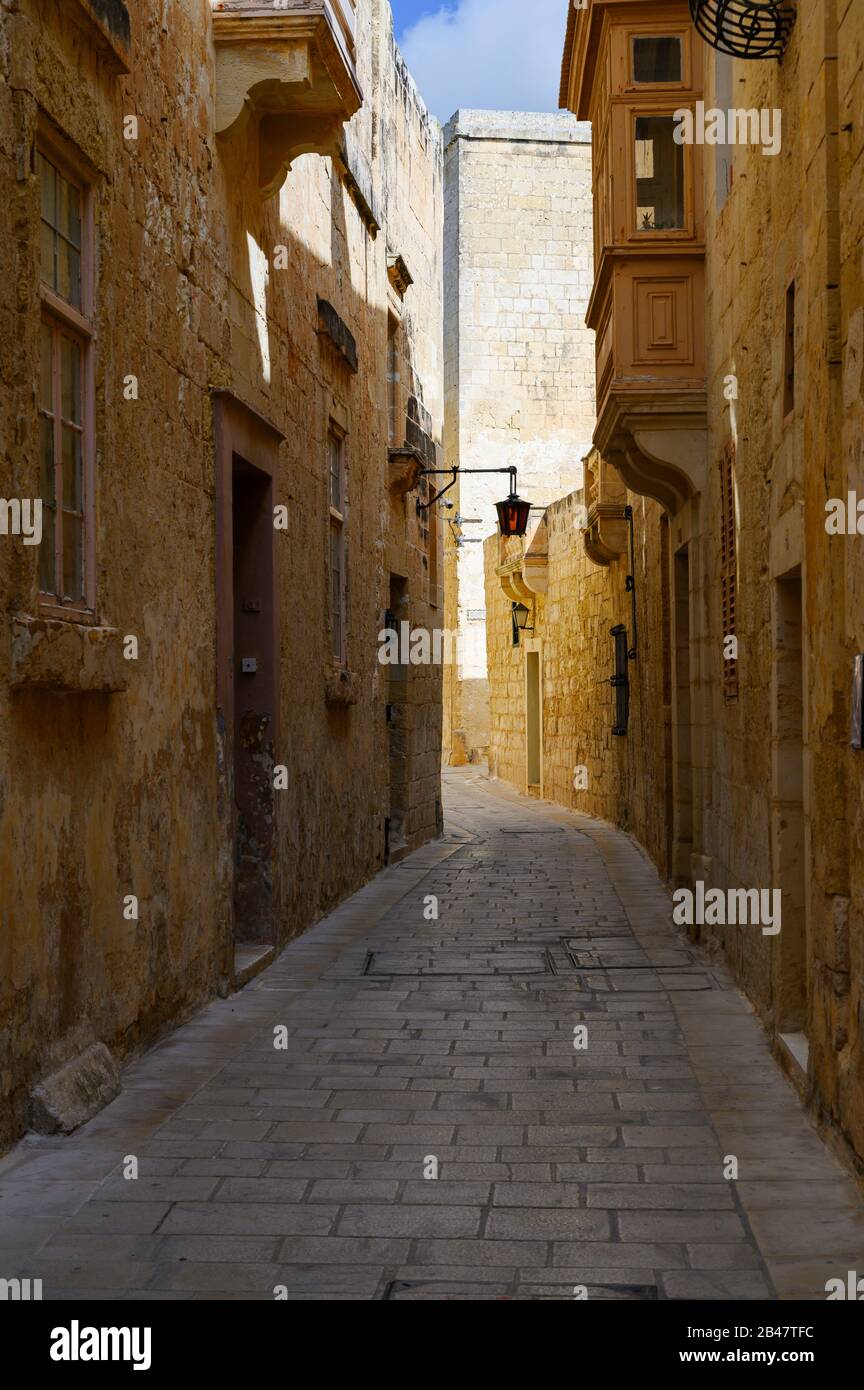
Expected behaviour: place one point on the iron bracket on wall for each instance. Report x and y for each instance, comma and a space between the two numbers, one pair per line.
455, 471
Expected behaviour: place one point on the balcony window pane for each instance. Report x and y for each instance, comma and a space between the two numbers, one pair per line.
656, 60
659, 164
73, 557
72, 472
46, 376
46, 461
47, 576
70, 380
60, 232
47, 268
69, 272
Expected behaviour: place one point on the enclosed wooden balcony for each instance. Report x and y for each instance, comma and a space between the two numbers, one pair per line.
629, 66
290, 72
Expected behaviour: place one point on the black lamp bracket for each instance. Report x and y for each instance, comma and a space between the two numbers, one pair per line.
453, 474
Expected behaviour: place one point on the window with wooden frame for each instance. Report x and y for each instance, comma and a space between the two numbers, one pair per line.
728, 568
66, 556
338, 577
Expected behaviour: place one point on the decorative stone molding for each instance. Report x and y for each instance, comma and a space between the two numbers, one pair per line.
291, 71
399, 275
55, 654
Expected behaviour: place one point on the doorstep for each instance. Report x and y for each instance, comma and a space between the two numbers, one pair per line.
250, 958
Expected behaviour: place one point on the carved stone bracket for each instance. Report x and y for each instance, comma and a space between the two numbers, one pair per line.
605, 533
658, 446
398, 273
289, 73
404, 469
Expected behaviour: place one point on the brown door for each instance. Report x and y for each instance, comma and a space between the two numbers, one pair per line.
254, 697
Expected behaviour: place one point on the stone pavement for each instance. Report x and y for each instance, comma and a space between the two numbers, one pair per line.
411, 1041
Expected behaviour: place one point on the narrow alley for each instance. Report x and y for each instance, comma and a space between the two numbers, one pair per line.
286, 1140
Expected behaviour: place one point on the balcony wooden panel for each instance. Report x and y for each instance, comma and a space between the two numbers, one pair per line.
647, 303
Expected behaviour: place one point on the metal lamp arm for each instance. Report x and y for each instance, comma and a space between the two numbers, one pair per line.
444, 472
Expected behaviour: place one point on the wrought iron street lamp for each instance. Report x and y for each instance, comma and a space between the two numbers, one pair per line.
519, 616
512, 511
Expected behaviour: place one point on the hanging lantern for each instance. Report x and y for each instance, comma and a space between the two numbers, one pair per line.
744, 28
513, 515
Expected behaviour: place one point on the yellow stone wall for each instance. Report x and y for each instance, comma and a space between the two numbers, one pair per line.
108, 794
770, 797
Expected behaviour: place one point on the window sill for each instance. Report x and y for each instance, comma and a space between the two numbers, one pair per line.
58, 654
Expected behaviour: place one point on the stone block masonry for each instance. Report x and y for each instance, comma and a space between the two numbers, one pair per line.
519, 382
142, 834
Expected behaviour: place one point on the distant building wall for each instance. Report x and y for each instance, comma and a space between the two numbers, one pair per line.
519, 386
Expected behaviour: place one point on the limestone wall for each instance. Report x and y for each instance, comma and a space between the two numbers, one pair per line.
520, 375
739, 773
201, 287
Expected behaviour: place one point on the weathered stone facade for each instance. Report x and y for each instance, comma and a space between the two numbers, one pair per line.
519, 360
251, 348
736, 770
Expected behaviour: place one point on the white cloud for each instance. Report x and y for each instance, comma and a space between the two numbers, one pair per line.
498, 55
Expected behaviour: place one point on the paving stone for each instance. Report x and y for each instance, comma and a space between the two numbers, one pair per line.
444, 1190
558, 1225
213, 1277
248, 1218
745, 1284
425, 1220
657, 1196
487, 1253
302, 1250
680, 1226
353, 1190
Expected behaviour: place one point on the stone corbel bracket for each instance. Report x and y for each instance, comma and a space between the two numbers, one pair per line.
286, 71
606, 532
512, 582
398, 273
404, 469
658, 448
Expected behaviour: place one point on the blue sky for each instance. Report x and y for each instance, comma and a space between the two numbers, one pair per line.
502, 55
406, 11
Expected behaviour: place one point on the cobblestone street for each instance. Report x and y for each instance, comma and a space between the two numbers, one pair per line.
301, 1169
